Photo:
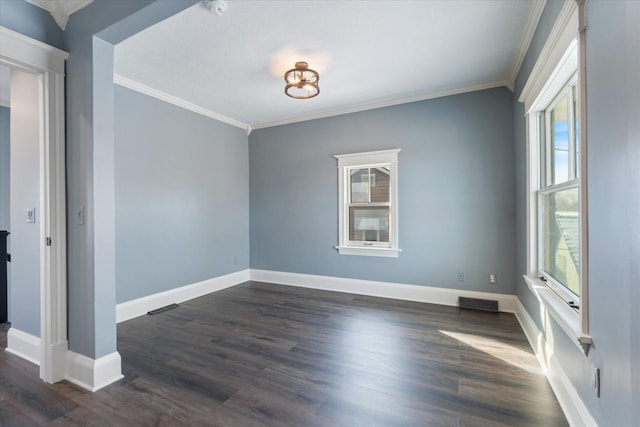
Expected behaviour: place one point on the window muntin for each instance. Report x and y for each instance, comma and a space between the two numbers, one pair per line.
368, 203
558, 204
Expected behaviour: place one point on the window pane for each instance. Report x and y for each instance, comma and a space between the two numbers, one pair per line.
359, 185
369, 224
560, 141
379, 185
561, 234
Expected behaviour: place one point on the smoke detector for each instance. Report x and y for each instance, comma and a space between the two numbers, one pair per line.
216, 6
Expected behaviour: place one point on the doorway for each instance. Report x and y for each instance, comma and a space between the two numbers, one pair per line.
42, 66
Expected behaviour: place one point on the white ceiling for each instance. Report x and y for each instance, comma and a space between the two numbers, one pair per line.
368, 54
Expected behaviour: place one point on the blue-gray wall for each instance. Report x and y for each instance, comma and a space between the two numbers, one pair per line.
25, 194
5, 174
89, 38
456, 192
613, 179
182, 197
32, 21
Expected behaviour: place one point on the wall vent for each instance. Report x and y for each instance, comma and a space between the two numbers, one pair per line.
478, 304
162, 309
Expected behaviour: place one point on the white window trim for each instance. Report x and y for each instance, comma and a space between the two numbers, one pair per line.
562, 55
367, 159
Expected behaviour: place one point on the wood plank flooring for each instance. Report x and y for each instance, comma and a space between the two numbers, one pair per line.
261, 354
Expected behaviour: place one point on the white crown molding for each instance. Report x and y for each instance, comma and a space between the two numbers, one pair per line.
418, 293
139, 307
529, 30
573, 407
564, 31
385, 103
23, 345
93, 374
61, 9
163, 96
179, 102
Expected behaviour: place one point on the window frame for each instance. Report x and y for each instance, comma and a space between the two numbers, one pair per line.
547, 184
371, 159
562, 57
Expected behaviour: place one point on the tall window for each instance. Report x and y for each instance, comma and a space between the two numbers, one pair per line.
367, 194
558, 204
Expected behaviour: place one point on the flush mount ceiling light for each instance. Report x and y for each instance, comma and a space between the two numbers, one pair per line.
302, 82
216, 6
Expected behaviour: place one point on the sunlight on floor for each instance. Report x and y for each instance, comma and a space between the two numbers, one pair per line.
505, 352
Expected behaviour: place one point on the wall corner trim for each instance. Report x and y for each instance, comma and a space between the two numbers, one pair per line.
138, 307
418, 293
573, 407
93, 374
23, 345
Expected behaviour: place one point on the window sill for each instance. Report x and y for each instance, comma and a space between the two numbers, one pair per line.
566, 317
368, 251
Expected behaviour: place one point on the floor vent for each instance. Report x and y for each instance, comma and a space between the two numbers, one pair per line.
162, 309
478, 304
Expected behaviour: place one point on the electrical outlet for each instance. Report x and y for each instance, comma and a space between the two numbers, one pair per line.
493, 279
595, 379
460, 276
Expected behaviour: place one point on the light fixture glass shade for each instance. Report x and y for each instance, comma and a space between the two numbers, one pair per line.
302, 82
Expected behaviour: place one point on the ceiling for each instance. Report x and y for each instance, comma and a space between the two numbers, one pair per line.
368, 53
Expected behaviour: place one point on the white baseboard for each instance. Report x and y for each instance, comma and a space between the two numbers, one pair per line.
23, 345
93, 374
427, 294
138, 307
573, 407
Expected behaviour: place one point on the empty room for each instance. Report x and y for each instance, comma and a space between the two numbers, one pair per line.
319, 212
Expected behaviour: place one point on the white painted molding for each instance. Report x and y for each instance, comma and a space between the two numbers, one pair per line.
23, 345
384, 103
179, 102
418, 293
529, 30
93, 374
138, 307
573, 407
23, 52
61, 9
249, 127
564, 31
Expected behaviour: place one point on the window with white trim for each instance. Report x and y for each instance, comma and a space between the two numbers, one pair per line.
556, 205
368, 203
558, 194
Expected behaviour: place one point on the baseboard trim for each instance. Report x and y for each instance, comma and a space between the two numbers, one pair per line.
418, 293
23, 345
573, 407
93, 374
138, 307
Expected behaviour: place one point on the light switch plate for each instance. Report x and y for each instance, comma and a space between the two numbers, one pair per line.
31, 215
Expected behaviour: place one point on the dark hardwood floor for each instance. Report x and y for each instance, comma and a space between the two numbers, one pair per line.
268, 355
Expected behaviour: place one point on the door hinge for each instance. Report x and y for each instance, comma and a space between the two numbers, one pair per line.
48, 241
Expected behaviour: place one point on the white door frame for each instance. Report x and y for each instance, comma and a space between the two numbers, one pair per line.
47, 62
